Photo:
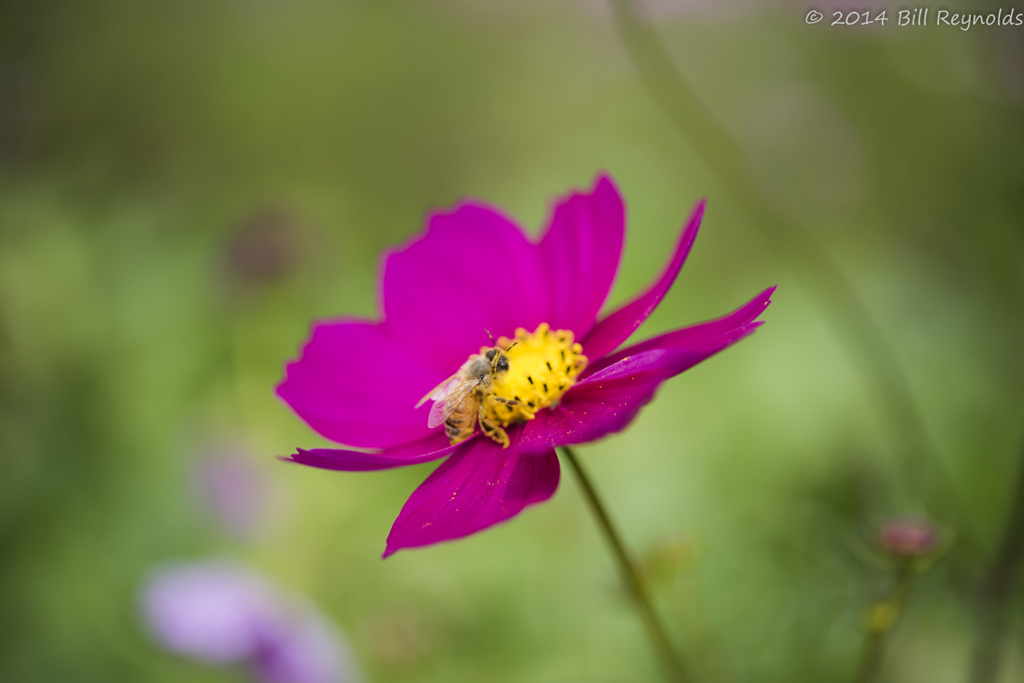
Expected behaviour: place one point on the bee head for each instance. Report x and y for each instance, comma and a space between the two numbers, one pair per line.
499, 361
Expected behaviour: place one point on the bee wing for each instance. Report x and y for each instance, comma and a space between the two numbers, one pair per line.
438, 413
446, 405
442, 390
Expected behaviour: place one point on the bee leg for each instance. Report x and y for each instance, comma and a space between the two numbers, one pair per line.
506, 401
492, 429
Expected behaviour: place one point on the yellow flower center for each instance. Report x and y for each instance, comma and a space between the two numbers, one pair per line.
542, 367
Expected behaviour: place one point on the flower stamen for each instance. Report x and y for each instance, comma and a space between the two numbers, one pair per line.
543, 365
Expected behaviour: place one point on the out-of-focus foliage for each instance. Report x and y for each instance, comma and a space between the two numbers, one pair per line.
185, 185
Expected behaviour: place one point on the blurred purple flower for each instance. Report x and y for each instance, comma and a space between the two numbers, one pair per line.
235, 489
221, 612
358, 381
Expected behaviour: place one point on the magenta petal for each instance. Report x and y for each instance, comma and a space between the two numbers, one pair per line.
351, 387
473, 271
607, 401
581, 251
616, 328
692, 337
480, 485
432, 448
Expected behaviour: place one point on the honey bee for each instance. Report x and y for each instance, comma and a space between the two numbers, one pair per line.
459, 400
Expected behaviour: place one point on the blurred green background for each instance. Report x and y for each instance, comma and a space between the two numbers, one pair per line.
186, 185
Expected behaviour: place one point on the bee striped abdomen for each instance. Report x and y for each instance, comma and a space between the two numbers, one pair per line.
461, 424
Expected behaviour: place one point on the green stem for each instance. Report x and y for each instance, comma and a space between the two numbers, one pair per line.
997, 591
832, 292
881, 623
673, 664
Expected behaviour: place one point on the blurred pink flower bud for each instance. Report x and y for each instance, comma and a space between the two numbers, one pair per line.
234, 488
908, 538
263, 248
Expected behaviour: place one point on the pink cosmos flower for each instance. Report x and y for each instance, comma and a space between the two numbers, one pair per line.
474, 272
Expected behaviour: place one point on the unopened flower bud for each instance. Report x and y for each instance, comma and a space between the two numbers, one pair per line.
263, 249
908, 538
